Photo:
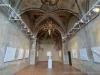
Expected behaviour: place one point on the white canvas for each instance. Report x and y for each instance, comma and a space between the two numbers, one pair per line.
10, 54
20, 54
60, 54
37, 53
26, 53
74, 53
96, 54
83, 54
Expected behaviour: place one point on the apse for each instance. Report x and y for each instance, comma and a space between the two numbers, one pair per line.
49, 40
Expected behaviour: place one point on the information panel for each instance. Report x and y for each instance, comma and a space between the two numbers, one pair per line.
10, 54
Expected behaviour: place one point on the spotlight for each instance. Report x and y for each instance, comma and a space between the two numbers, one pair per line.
25, 26
96, 10
81, 20
63, 37
28, 31
76, 24
89, 13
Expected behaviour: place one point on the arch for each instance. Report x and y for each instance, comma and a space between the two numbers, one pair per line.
53, 15
67, 10
58, 29
43, 11
33, 9
58, 43
55, 19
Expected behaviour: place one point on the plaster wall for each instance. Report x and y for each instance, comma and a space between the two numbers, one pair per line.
87, 38
11, 36
48, 45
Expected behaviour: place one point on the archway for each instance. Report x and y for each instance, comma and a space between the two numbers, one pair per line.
49, 39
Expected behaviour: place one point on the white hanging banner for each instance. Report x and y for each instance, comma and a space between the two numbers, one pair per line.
83, 54
74, 53
26, 53
10, 54
60, 54
20, 54
96, 54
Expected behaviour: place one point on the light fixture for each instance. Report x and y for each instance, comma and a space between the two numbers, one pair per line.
76, 23
25, 26
96, 9
48, 27
64, 37
89, 14
81, 20
49, 31
28, 30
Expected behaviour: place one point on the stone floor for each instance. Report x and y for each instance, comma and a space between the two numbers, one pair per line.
41, 69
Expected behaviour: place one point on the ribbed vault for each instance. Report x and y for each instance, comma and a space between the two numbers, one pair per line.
65, 16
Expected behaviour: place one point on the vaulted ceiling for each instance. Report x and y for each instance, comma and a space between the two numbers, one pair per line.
64, 13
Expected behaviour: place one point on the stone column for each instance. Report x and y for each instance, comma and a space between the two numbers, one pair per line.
65, 54
33, 52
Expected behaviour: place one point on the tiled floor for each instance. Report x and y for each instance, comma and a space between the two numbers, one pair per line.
41, 69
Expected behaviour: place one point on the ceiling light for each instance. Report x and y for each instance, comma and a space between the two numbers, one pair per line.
64, 37
89, 14
76, 23
25, 26
82, 21
28, 31
96, 10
